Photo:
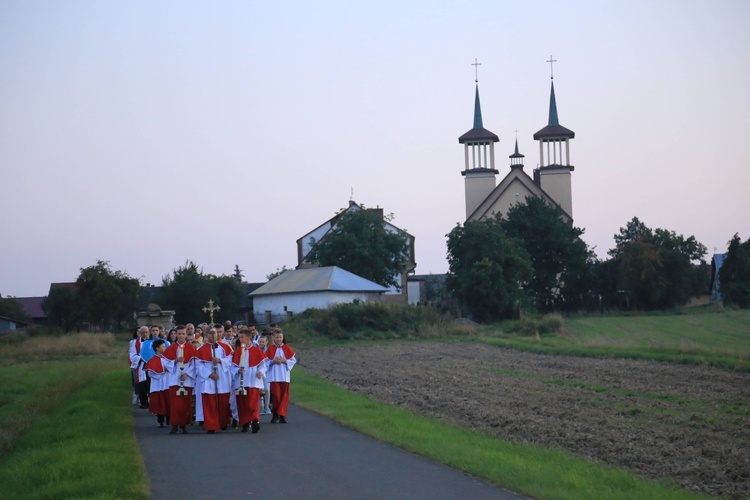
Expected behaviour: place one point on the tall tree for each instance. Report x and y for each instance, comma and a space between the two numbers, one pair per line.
560, 259
109, 297
360, 243
734, 274
487, 269
186, 292
64, 308
658, 268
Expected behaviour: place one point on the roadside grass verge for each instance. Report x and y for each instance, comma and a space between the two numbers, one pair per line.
530, 470
701, 337
84, 448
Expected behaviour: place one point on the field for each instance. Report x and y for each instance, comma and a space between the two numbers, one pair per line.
665, 421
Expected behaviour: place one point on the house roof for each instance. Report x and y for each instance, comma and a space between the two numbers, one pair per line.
32, 306
554, 130
318, 279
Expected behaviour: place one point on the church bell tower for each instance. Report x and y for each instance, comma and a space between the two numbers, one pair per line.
554, 172
479, 160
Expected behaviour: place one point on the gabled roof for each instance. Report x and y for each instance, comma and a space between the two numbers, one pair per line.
521, 176
32, 306
318, 279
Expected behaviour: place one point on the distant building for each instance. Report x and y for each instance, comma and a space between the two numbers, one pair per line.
297, 290
9, 325
551, 180
716, 263
305, 243
32, 306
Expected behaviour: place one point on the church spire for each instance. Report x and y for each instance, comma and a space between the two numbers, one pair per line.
516, 159
477, 110
553, 120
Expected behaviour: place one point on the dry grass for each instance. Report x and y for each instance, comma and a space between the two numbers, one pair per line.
25, 350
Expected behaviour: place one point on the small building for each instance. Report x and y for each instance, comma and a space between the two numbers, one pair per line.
32, 306
313, 288
10, 325
716, 264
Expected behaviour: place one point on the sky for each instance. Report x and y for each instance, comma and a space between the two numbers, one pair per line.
151, 133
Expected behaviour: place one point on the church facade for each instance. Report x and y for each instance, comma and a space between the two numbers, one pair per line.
551, 181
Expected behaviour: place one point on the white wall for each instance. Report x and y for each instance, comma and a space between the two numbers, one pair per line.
298, 302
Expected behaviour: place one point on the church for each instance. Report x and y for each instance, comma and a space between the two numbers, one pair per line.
551, 180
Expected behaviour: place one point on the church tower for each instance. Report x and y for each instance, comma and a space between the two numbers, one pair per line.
553, 174
479, 160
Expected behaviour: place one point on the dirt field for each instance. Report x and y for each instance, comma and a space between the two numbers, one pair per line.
659, 420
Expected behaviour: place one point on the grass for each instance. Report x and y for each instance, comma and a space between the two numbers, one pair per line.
698, 337
84, 449
526, 469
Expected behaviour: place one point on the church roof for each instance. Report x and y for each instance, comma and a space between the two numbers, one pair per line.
478, 133
553, 128
318, 279
519, 175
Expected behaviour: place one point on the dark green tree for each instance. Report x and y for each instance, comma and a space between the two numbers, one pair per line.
734, 275
360, 243
10, 308
278, 272
487, 269
659, 268
64, 308
186, 292
229, 295
238, 276
108, 297
560, 259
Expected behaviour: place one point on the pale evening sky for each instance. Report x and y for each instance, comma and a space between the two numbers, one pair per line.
151, 133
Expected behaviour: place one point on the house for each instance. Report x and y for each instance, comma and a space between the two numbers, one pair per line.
551, 181
316, 287
396, 295
32, 306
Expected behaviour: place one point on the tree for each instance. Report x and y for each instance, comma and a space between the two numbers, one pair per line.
734, 274
487, 269
278, 272
658, 268
238, 273
360, 243
64, 308
560, 259
108, 297
10, 308
186, 292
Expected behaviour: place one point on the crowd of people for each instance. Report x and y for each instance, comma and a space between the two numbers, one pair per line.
213, 376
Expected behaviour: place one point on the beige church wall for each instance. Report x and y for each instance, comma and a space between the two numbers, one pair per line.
515, 193
557, 184
478, 187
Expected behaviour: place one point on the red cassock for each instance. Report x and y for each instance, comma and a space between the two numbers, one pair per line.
158, 400
248, 405
181, 406
216, 411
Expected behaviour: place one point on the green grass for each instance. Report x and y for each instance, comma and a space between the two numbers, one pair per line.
85, 448
526, 469
697, 337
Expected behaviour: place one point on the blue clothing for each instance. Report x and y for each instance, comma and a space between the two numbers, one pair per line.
147, 349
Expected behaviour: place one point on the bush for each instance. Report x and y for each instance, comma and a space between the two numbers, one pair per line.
544, 325
372, 321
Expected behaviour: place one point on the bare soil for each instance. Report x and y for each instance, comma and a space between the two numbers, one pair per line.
658, 420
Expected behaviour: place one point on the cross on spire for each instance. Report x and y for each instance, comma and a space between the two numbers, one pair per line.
551, 61
476, 70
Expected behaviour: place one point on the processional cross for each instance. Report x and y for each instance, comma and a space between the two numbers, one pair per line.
210, 309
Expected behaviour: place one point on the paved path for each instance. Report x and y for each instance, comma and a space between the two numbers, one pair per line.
310, 457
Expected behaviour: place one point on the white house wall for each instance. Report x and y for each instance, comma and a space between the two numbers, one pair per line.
298, 302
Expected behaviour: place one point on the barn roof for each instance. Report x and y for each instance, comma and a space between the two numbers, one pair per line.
318, 279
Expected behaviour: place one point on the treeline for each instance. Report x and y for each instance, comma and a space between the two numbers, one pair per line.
532, 261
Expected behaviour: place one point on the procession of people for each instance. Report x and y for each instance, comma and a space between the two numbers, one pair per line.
213, 377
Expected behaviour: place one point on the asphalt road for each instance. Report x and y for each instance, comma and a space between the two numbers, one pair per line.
309, 457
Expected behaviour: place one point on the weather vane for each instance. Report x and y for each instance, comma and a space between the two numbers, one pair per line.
210, 309
551, 61
476, 70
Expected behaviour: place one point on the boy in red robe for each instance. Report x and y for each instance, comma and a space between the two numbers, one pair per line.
181, 381
248, 367
212, 365
281, 361
157, 368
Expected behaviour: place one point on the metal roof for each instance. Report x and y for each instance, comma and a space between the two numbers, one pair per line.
318, 279
478, 133
553, 130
